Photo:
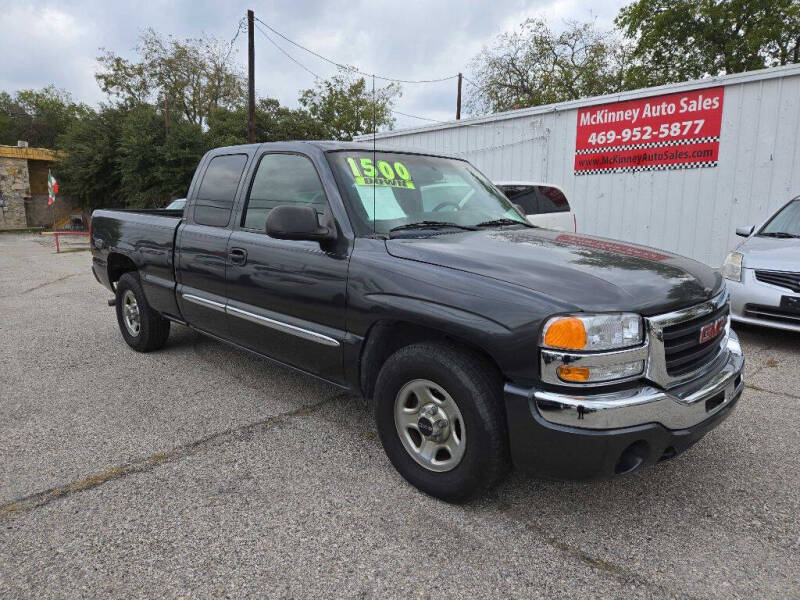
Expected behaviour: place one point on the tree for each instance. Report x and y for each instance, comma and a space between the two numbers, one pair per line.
534, 66
138, 156
37, 116
124, 157
344, 106
192, 77
89, 171
274, 123
183, 148
677, 40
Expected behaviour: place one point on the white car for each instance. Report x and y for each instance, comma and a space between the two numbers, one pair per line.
763, 272
544, 204
177, 204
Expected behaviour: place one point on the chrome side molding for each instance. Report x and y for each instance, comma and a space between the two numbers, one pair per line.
204, 302
300, 332
281, 326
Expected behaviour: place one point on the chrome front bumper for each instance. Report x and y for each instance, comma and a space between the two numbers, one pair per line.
679, 407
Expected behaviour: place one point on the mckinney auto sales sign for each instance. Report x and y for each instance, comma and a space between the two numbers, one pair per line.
674, 131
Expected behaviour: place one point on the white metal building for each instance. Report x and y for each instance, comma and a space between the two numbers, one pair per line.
691, 211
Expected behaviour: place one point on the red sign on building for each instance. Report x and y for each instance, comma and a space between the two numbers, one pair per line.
673, 131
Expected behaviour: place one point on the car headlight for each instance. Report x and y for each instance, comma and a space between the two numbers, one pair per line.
575, 348
592, 333
732, 267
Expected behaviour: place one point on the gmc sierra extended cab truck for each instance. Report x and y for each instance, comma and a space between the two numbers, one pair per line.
410, 279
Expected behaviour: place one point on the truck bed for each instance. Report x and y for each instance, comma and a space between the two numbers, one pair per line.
144, 237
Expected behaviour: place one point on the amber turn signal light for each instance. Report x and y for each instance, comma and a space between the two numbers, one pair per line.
568, 332
567, 373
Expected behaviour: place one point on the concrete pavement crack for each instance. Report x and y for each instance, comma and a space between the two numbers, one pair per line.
611, 569
758, 388
41, 285
39, 499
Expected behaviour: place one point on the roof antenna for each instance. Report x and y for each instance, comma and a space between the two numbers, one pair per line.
374, 159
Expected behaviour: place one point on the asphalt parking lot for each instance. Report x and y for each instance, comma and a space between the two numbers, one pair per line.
199, 471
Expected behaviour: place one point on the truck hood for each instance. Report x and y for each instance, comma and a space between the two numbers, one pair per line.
584, 272
773, 254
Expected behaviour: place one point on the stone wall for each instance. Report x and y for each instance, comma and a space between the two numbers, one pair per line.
39, 214
14, 190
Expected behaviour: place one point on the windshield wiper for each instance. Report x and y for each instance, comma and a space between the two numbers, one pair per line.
779, 234
503, 221
430, 225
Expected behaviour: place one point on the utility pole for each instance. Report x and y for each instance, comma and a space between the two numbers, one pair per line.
251, 75
458, 99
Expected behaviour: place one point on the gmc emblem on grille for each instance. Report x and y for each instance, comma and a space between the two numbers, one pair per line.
712, 330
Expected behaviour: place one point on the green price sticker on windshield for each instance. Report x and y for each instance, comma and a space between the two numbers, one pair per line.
384, 174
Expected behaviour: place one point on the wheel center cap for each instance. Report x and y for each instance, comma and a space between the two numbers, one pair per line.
433, 423
425, 426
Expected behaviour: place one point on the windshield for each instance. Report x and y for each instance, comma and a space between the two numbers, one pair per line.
786, 223
177, 204
393, 192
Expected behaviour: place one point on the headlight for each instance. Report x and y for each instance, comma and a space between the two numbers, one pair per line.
732, 267
591, 333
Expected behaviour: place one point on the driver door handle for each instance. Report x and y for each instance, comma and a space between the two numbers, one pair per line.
238, 256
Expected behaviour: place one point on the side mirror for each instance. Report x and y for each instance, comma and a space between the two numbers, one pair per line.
289, 222
520, 210
745, 231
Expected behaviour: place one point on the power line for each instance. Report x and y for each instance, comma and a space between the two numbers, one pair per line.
418, 117
287, 55
350, 68
239, 29
316, 76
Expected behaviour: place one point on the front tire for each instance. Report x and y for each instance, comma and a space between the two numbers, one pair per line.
142, 327
441, 420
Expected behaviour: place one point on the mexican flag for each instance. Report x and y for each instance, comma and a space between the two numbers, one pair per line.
52, 188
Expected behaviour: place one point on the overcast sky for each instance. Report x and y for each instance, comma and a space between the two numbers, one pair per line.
58, 42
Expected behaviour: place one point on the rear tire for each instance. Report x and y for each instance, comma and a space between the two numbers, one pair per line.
441, 420
142, 327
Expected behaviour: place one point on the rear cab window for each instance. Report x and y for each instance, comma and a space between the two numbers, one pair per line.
217, 191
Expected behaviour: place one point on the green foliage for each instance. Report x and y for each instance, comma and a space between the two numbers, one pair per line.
139, 155
533, 66
676, 40
273, 123
344, 106
192, 77
175, 101
37, 116
183, 148
124, 157
89, 170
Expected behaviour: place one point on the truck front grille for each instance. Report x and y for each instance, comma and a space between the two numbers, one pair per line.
683, 350
790, 281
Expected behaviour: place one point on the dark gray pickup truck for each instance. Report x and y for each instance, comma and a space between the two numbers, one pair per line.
410, 279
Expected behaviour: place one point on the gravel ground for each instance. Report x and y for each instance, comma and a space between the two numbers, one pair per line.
199, 471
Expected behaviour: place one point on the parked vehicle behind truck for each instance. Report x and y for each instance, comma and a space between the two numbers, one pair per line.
544, 204
410, 279
763, 272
